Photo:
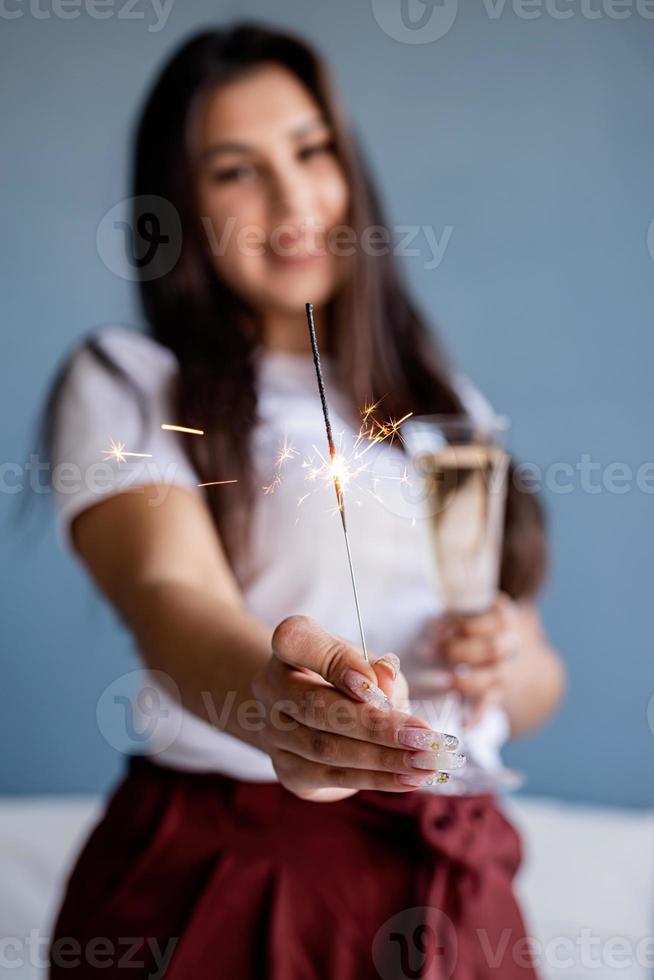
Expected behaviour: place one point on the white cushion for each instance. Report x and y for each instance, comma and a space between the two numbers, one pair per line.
587, 887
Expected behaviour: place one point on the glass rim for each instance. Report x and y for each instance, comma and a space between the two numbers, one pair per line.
497, 422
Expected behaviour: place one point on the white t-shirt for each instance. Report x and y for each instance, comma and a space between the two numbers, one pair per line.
298, 561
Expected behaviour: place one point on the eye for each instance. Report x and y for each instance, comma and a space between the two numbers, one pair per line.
318, 149
241, 172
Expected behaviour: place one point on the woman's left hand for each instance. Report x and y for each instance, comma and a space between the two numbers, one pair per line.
474, 651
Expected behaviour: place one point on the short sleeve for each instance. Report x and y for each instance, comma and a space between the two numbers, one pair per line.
102, 443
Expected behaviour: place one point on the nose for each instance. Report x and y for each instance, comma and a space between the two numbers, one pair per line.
292, 202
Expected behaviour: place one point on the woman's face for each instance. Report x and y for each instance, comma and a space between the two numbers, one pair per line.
270, 189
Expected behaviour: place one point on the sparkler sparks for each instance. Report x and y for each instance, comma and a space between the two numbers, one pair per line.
216, 483
119, 453
348, 466
285, 453
182, 428
376, 431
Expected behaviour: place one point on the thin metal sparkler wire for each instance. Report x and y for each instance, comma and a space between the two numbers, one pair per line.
354, 587
337, 484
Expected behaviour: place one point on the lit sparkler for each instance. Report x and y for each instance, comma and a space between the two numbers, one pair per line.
338, 471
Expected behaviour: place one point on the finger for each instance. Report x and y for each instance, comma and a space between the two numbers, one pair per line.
306, 774
400, 695
431, 680
331, 749
505, 645
296, 697
300, 641
475, 624
476, 651
481, 652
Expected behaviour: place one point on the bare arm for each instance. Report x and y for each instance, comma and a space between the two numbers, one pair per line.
164, 570
327, 721
533, 680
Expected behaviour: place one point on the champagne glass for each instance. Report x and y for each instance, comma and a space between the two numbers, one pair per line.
462, 467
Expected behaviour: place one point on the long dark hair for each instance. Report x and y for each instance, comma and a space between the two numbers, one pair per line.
381, 346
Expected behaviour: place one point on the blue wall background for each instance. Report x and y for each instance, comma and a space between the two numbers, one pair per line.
534, 140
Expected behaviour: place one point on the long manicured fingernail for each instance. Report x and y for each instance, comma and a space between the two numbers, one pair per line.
433, 780
389, 660
435, 760
424, 738
366, 690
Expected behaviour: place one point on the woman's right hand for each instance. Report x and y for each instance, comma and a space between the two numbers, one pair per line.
330, 727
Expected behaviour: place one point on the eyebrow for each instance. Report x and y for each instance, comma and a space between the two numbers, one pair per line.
296, 133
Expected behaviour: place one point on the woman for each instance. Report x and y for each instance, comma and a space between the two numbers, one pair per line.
281, 822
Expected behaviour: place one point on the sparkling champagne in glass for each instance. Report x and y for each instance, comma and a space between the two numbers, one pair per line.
462, 468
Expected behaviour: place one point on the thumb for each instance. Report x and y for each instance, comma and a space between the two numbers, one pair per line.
300, 641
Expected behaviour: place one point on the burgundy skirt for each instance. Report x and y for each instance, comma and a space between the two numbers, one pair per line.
192, 876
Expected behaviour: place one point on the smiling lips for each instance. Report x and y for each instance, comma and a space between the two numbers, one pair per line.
292, 249
294, 260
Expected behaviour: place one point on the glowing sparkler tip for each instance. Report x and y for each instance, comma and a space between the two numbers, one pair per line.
339, 470
119, 453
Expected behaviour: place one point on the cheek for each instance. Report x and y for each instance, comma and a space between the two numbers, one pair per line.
232, 210
334, 197
233, 226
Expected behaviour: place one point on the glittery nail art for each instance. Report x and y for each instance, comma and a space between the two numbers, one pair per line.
366, 690
423, 738
390, 660
435, 760
438, 778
